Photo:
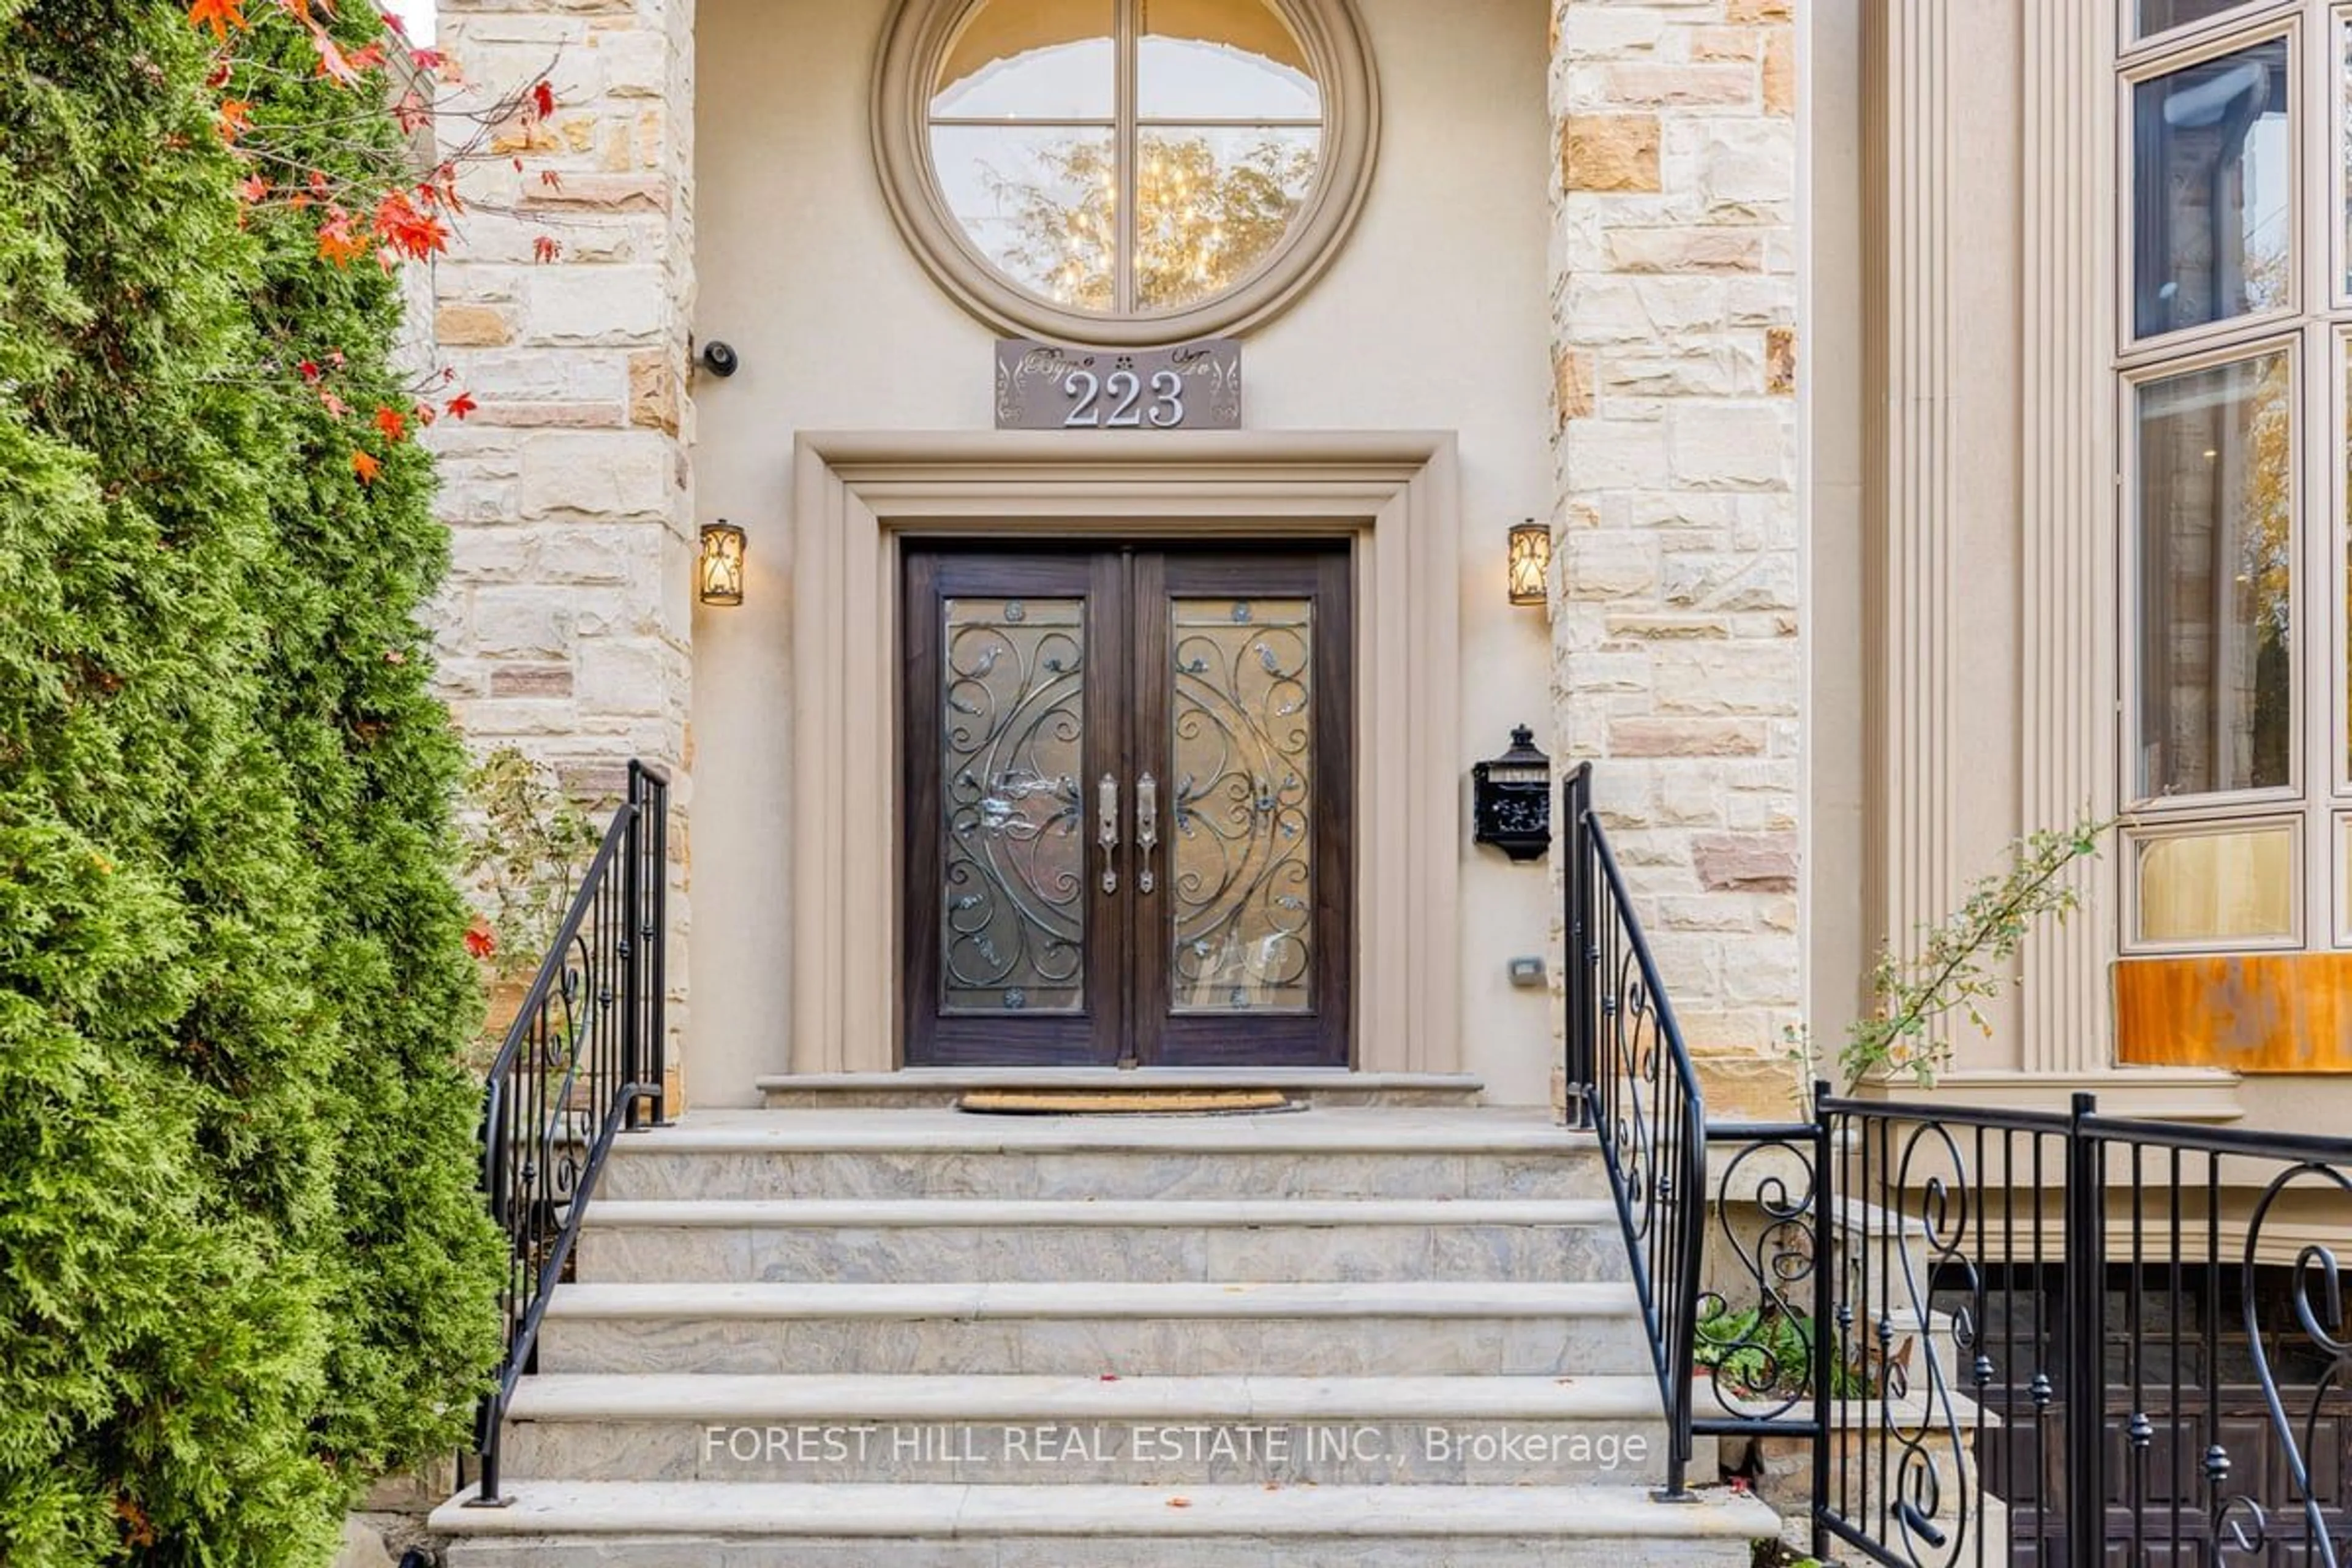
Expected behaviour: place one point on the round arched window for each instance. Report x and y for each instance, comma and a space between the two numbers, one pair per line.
1124, 172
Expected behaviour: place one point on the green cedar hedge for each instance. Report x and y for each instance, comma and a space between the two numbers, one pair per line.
243, 1266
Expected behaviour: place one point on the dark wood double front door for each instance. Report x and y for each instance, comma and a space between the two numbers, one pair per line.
1128, 806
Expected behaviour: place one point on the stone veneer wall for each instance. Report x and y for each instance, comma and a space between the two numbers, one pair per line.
1677, 663
566, 627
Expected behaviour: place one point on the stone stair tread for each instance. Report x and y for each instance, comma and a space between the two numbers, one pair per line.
966, 1212
1321, 1129
913, 1397
919, 1512
904, 1080
1095, 1299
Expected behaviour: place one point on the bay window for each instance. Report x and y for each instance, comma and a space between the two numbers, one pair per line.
2236, 315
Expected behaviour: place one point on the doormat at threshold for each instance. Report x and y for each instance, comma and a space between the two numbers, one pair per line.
1127, 1102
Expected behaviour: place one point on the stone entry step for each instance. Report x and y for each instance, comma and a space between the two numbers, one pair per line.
942, 1086
978, 1239
1324, 1152
1170, 1431
1122, 1328
568, 1525
910, 1338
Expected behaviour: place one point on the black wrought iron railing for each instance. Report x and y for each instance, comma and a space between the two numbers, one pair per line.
1630, 1082
584, 1061
1987, 1335
2081, 1339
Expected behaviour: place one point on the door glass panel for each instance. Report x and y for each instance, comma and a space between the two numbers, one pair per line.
1012, 930
2216, 522
2212, 177
1241, 807
2217, 886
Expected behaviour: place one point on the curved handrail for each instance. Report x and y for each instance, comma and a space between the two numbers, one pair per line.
1632, 1082
586, 1052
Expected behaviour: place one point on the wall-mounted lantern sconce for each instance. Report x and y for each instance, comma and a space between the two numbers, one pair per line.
718, 571
1512, 799
1530, 562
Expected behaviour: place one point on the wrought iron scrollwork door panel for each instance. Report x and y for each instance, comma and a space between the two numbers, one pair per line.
1128, 806
1246, 716
1013, 927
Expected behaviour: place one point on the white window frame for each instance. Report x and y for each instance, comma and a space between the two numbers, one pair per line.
2316, 333
2134, 839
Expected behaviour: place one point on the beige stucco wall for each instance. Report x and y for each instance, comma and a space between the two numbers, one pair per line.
1435, 318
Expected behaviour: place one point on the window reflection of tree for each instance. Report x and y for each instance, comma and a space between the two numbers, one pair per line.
1202, 223
2218, 509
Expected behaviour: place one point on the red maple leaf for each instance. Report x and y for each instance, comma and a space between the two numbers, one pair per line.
461, 405
236, 114
480, 940
334, 63
411, 114
365, 466
422, 414
220, 16
332, 405
367, 59
255, 189
545, 249
407, 229
310, 369
428, 60
542, 99
391, 422
337, 243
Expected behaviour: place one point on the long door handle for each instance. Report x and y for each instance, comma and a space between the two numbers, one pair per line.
1107, 830
1147, 830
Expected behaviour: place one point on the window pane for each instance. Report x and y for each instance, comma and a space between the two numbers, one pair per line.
2217, 887
2210, 197
1213, 203
2216, 550
1040, 202
1222, 59
2344, 878
2155, 15
1030, 60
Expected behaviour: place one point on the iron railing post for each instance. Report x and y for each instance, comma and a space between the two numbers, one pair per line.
1583, 1004
633, 968
1824, 1347
656, 937
1685, 1231
2085, 1250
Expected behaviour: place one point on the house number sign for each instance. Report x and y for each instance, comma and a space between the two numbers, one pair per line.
1192, 386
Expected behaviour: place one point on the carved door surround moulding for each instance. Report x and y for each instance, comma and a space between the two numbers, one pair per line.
857, 496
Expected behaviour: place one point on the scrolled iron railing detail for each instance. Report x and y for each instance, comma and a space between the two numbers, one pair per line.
2051, 1339
1630, 1082
1756, 1334
585, 1060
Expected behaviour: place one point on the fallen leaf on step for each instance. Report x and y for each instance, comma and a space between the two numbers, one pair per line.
1179, 1502
1110, 1377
